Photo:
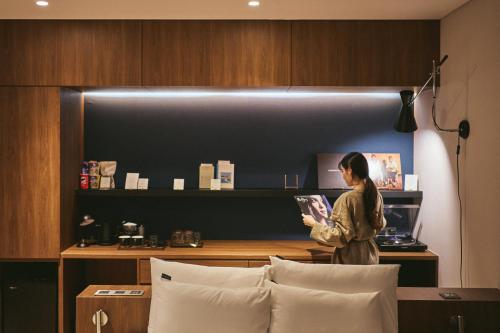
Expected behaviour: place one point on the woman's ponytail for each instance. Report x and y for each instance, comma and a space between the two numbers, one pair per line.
370, 197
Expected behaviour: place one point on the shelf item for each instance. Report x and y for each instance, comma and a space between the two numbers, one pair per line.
239, 193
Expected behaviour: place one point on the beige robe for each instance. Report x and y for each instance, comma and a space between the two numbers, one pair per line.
352, 236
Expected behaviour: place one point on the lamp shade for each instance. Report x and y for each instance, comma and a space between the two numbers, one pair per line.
406, 121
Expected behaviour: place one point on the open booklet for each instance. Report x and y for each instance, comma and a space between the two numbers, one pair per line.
317, 206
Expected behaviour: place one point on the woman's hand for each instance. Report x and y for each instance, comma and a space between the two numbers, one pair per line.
308, 220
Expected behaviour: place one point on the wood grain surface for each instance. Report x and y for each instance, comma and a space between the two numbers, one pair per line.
30, 173
233, 250
70, 53
419, 309
423, 310
216, 53
363, 53
127, 314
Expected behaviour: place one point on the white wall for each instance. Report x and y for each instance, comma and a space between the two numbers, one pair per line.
470, 88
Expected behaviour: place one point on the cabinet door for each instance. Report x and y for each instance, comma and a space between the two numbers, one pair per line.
29, 173
363, 53
125, 313
70, 53
29, 53
100, 53
216, 53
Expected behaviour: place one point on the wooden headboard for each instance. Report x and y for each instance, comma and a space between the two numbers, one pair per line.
419, 310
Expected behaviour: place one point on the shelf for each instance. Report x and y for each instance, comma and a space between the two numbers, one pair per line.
238, 193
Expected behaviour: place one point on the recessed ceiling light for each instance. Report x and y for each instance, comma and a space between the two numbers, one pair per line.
42, 3
254, 3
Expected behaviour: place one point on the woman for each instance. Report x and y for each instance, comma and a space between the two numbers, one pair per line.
358, 216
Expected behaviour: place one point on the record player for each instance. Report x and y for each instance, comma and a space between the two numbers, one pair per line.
397, 236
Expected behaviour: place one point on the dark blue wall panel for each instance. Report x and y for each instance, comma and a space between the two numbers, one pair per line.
168, 136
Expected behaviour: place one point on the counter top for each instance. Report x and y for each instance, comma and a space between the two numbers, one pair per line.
232, 250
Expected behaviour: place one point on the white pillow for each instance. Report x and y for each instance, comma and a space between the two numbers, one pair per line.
190, 308
344, 279
228, 277
300, 310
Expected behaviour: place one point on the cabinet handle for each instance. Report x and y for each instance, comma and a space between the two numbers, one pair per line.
457, 322
100, 318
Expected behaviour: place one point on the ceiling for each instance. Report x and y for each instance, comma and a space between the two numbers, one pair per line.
230, 9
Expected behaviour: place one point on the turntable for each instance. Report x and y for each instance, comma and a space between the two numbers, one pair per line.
397, 236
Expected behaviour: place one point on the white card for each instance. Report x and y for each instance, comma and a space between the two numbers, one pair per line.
411, 182
215, 184
178, 183
131, 181
105, 183
142, 184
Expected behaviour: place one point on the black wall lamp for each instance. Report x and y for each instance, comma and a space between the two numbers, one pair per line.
406, 121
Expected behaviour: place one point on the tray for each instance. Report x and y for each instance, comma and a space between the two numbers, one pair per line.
187, 245
160, 246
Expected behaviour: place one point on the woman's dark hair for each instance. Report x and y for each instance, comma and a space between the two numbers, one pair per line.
359, 166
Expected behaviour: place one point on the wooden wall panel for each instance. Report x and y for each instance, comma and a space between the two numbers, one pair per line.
29, 173
216, 53
100, 53
29, 53
70, 53
363, 53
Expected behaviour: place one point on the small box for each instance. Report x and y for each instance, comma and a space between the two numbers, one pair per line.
411, 182
206, 173
142, 184
225, 172
178, 183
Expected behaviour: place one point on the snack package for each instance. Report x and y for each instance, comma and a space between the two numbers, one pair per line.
108, 169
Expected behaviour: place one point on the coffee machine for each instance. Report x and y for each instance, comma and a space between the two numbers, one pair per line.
92, 232
87, 231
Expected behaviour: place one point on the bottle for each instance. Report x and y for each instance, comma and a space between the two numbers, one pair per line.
141, 230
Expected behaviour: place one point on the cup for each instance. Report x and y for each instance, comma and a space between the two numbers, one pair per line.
188, 236
137, 240
153, 240
197, 237
124, 240
177, 236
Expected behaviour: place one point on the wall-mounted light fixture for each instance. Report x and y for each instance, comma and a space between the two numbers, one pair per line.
406, 121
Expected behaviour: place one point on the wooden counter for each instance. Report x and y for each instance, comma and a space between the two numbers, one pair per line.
233, 250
